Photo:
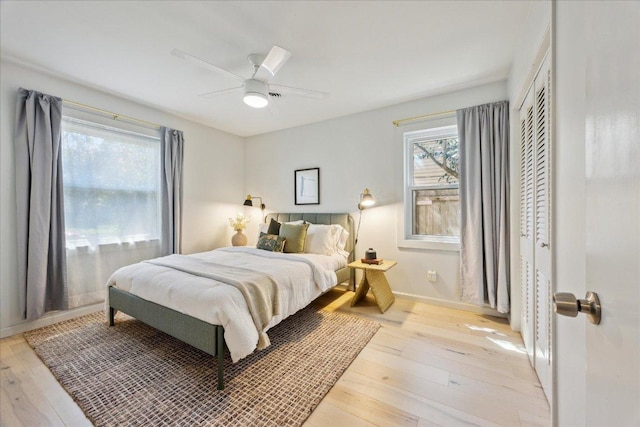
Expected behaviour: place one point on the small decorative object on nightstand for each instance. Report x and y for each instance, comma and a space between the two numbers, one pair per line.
239, 223
373, 277
239, 239
370, 254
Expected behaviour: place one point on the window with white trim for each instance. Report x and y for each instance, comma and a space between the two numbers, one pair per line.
111, 184
112, 203
432, 195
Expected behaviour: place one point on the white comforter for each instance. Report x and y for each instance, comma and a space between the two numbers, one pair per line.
300, 279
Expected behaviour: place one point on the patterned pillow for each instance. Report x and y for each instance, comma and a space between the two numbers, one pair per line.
270, 242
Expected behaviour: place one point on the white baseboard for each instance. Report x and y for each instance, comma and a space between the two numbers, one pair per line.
452, 304
51, 319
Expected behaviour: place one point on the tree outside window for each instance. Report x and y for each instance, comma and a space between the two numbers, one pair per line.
433, 195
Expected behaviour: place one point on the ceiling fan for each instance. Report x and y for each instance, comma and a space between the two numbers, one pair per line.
257, 88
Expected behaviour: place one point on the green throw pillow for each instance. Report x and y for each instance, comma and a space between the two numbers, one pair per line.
295, 235
274, 227
270, 242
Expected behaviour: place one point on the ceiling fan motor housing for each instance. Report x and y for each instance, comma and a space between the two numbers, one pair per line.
256, 93
255, 86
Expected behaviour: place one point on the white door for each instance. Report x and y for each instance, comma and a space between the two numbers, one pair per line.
542, 244
527, 180
597, 210
535, 234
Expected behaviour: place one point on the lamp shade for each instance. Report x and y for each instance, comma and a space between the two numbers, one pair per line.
248, 201
366, 200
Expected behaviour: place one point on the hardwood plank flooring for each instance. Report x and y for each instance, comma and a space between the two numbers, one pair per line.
429, 366
426, 366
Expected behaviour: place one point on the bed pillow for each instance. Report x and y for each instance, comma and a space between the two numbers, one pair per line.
341, 240
274, 227
270, 242
295, 235
342, 236
321, 239
263, 228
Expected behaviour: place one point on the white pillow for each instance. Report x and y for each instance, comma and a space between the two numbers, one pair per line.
321, 239
341, 237
262, 228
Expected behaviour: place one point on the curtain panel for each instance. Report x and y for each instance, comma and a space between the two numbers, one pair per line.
484, 196
172, 153
42, 275
112, 203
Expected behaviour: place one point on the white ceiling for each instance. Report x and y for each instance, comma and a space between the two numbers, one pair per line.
366, 54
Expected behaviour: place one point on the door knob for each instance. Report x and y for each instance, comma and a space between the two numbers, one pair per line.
566, 304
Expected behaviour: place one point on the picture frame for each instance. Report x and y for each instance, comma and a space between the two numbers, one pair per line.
307, 186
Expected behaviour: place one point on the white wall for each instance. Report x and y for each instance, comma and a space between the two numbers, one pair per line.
534, 41
354, 152
525, 62
213, 177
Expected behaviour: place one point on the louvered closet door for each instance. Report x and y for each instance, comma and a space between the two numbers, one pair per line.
542, 226
527, 181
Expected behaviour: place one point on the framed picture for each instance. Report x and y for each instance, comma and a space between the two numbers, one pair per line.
307, 186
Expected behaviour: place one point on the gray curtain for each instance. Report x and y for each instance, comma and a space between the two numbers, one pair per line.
484, 199
172, 149
42, 270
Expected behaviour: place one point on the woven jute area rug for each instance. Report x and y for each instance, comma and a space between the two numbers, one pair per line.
132, 374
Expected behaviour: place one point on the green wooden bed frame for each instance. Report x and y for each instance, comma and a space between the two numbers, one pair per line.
206, 336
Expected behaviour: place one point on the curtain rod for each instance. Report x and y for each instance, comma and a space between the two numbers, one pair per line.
115, 116
426, 116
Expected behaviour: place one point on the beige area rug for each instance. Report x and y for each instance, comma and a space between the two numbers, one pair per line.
132, 374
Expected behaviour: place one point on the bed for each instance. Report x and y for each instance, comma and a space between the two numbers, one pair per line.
178, 296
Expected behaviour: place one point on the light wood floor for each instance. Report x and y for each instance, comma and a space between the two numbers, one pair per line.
426, 366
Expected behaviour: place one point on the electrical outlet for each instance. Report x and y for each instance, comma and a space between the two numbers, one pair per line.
432, 276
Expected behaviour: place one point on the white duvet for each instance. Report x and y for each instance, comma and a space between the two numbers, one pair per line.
300, 279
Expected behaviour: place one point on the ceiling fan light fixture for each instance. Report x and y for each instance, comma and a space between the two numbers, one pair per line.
257, 90
255, 100
255, 93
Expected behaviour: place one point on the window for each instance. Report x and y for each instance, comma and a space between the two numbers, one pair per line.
112, 203
111, 185
432, 196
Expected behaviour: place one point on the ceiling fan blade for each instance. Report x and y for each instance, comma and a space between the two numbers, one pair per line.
220, 92
296, 91
202, 63
272, 63
276, 59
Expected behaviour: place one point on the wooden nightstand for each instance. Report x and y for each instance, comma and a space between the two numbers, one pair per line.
373, 277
